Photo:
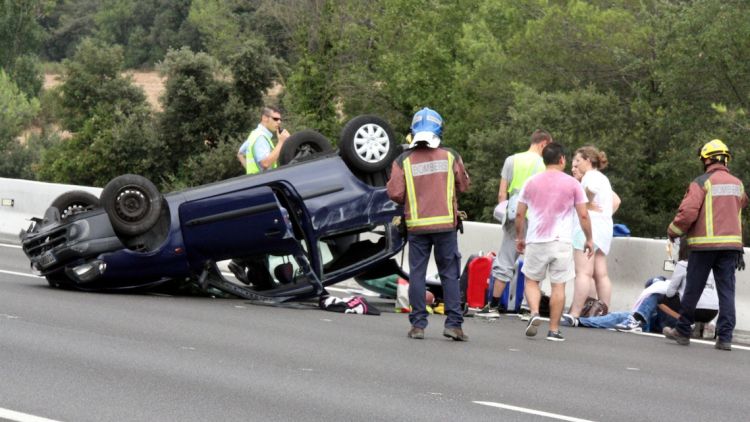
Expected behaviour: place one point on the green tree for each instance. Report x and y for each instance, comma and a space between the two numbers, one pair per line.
109, 143
17, 109
218, 25
254, 70
92, 83
20, 33
17, 112
200, 108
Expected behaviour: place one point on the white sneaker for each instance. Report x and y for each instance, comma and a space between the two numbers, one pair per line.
630, 325
569, 320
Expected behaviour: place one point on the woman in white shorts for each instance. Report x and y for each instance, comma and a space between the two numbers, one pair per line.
592, 274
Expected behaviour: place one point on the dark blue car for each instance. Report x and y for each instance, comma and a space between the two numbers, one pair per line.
295, 229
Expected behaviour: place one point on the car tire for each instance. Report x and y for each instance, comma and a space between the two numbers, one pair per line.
74, 202
302, 146
133, 204
368, 144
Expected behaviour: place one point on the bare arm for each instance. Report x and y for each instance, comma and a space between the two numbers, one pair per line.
616, 201
521, 227
583, 217
667, 310
273, 157
502, 194
591, 206
241, 157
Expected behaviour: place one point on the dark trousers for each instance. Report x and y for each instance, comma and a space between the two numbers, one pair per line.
700, 263
448, 261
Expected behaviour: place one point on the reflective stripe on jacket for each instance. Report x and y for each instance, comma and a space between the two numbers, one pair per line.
425, 180
251, 166
711, 211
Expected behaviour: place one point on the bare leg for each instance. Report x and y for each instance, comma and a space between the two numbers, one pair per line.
533, 295
601, 278
583, 283
556, 303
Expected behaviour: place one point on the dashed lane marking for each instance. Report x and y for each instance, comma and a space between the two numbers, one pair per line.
8, 245
12, 415
531, 411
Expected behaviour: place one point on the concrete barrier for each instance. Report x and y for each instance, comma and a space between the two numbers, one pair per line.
631, 261
22, 199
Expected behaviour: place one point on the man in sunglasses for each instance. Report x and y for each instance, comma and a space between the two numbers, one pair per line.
258, 153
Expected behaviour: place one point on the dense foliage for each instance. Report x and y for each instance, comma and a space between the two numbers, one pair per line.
646, 81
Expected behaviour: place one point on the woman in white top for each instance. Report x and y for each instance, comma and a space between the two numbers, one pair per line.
592, 274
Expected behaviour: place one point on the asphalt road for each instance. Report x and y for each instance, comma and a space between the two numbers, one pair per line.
72, 356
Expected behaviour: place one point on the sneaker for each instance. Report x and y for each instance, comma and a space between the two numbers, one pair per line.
416, 333
456, 334
534, 322
630, 325
723, 345
488, 312
673, 334
569, 320
471, 312
555, 336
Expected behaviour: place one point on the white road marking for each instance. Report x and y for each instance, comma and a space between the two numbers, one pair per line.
693, 340
21, 274
8, 245
531, 411
21, 417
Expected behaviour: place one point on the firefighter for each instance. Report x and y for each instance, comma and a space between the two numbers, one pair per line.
710, 216
425, 179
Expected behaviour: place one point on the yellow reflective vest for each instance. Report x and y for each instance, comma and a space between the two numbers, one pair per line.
251, 166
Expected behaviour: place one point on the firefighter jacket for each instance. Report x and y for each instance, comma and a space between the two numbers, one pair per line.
425, 181
711, 211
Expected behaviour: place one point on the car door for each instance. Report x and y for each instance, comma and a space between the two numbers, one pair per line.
236, 224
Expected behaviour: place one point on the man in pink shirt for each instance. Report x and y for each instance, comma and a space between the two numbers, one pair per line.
552, 199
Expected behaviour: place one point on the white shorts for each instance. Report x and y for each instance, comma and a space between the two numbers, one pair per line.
553, 258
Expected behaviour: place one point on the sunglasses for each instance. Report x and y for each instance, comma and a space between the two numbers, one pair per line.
276, 119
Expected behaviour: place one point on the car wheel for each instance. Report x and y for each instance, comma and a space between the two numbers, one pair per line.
133, 204
367, 144
303, 146
74, 202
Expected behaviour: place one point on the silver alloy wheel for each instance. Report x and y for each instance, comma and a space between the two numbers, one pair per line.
371, 143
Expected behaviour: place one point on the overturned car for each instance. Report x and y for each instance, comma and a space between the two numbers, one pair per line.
322, 217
